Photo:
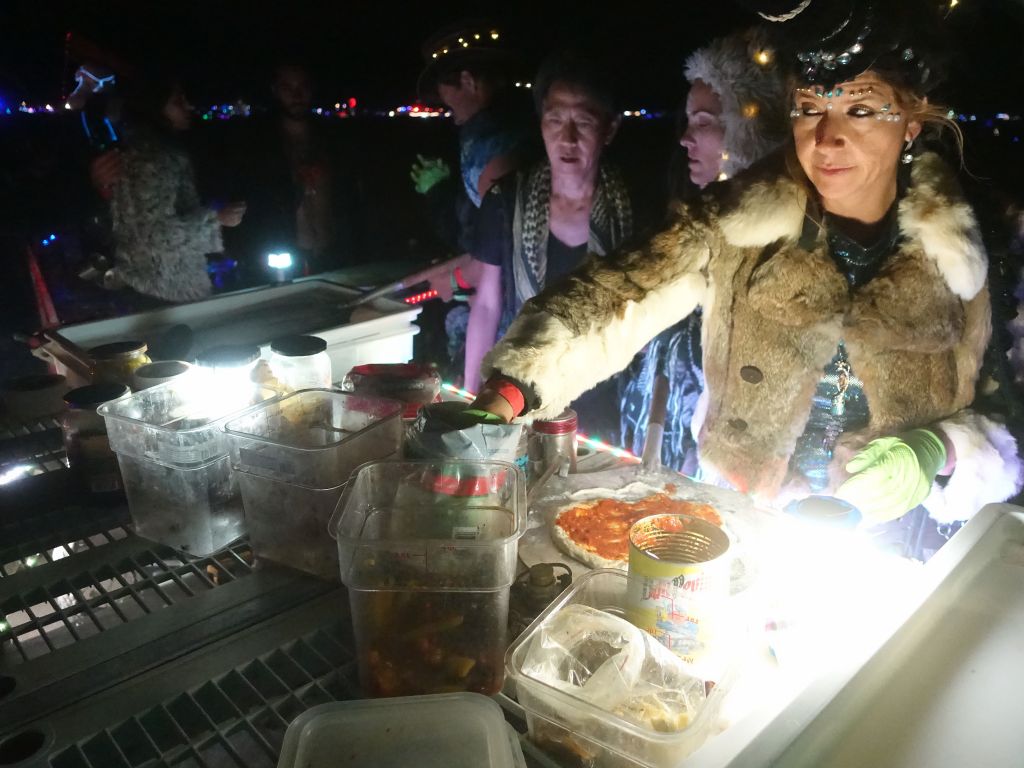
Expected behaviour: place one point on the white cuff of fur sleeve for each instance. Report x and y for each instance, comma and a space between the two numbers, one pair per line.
988, 468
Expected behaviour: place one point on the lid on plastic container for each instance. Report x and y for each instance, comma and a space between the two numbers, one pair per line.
397, 371
435, 731
117, 349
298, 346
95, 394
562, 424
228, 356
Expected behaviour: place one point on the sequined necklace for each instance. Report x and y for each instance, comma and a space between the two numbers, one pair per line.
860, 263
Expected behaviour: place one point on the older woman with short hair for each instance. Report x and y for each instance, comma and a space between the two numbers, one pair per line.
538, 225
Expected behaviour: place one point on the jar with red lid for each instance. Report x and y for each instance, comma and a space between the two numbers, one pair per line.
550, 441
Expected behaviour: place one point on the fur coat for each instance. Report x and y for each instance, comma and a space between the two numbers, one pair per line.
774, 313
161, 232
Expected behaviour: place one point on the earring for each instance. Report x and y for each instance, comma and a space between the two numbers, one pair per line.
906, 158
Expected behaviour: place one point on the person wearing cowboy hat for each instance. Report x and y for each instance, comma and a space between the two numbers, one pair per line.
468, 70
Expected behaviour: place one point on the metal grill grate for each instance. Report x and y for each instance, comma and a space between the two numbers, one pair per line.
236, 720
55, 613
35, 551
36, 445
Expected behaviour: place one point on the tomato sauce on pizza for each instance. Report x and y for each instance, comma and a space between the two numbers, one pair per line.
602, 526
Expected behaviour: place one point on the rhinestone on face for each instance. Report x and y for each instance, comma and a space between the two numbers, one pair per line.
829, 106
795, 112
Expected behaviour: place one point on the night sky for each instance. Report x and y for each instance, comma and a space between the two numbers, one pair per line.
371, 49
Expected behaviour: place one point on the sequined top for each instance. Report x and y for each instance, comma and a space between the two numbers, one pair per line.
839, 403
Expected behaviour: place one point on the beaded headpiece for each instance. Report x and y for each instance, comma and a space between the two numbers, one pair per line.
833, 41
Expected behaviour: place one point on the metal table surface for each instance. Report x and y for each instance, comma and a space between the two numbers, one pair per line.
117, 651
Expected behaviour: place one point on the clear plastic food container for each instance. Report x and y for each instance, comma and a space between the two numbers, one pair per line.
428, 552
579, 733
196, 510
172, 450
315, 437
463, 730
287, 523
179, 423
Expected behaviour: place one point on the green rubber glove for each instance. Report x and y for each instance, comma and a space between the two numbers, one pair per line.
892, 475
428, 172
483, 417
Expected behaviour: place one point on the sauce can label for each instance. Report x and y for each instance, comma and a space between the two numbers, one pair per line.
679, 584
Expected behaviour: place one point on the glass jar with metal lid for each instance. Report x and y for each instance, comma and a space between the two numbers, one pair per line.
552, 440
85, 436
301, 362
116, 362
230, 363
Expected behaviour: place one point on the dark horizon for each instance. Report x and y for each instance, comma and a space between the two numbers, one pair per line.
224, 48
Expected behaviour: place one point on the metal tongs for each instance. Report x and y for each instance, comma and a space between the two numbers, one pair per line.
434, 272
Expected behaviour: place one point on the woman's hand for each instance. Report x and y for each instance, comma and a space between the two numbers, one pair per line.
231, 215
491, 402
892, 475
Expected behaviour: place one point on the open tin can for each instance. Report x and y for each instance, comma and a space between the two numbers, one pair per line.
679, 583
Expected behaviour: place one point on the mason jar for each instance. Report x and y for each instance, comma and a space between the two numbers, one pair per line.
117, 362
301, 362
85, 437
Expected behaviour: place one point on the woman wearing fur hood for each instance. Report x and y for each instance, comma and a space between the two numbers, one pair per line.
736, 114
845, 297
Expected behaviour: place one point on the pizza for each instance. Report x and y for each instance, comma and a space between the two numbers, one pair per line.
597, 532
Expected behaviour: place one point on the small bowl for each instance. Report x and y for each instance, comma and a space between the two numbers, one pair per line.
32, 397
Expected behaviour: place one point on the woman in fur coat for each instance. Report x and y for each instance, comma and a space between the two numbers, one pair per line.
845, 298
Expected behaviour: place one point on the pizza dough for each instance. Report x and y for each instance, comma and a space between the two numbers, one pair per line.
596, 532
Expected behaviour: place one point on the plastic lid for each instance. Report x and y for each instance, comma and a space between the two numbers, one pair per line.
298, 346
826, 511
466, 730
117, 349
396, 371
95, 394
562, 424
228, 356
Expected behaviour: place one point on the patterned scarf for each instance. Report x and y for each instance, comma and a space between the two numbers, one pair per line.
611, 223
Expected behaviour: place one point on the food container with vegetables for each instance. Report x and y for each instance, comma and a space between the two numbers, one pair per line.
427, 550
